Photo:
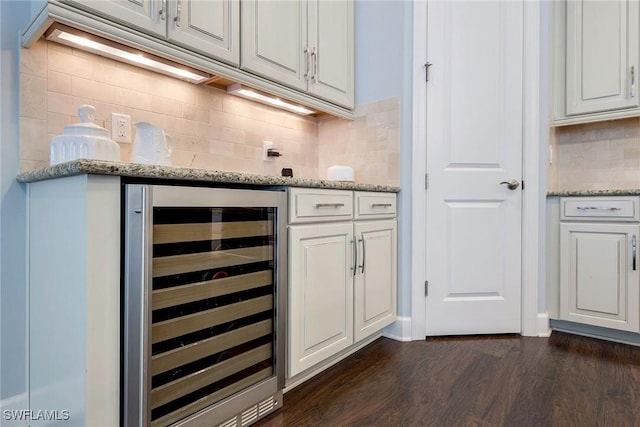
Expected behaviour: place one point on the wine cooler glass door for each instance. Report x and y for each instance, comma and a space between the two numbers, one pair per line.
203, 295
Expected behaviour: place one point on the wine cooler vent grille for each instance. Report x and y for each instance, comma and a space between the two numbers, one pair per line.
249, 416
233, 422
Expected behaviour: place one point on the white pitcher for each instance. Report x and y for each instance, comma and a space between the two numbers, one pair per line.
152, 145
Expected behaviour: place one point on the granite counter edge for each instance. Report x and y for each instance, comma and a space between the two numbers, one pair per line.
136, 170
589, 193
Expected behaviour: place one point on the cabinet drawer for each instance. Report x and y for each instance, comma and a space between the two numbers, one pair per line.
375, 205
600, 209
317, 205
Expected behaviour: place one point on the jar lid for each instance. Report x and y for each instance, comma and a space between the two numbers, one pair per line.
86, 126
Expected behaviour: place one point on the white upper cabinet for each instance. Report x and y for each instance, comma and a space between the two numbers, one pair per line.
148, 15
304, 44
602, 55
210, 27
597, 45
331, 40
273, 40
300, 50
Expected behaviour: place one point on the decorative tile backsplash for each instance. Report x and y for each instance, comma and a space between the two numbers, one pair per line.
603, 155
370, 143
210, 129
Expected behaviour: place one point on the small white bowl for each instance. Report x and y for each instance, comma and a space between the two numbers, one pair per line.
340, 173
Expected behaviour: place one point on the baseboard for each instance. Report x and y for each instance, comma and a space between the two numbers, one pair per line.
542, 325
623, 337
400, 330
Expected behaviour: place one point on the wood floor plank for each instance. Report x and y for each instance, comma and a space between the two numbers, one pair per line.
564, 380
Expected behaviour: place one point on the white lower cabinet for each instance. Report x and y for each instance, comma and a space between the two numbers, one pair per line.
375, 278
342, 273
320, 293
599, 279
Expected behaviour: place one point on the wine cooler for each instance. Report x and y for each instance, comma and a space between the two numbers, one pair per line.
203, 305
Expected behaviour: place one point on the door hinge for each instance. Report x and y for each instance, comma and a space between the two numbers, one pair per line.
426, 66
426, 288
426, 181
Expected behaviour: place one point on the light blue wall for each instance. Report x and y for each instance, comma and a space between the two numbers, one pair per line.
13, 291
384, 54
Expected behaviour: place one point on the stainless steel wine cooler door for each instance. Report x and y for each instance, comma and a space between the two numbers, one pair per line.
204, 305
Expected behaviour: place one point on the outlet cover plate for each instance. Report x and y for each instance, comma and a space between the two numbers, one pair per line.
121, 128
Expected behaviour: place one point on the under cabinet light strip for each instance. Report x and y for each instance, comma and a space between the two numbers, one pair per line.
110, 50
238, 90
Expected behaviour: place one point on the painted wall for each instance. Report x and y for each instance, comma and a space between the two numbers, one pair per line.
384, 45
13, 292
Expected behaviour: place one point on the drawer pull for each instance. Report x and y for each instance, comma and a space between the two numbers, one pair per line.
329, 205
597, 208
381, 205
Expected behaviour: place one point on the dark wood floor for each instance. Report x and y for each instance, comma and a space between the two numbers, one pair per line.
564, 380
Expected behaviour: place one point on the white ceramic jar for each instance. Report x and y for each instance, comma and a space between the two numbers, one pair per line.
84, 140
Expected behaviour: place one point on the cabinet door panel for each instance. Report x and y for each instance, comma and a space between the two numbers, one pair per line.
211, 27
143, 14
273, 40
320, 293
331, 35
599, 282
602, 55
375, 284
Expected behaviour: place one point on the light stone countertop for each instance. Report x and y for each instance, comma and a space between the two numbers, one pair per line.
136, 170
586, 193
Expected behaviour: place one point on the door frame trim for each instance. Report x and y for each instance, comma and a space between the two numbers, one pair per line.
535, 141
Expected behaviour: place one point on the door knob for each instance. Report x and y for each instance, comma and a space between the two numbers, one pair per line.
512, 184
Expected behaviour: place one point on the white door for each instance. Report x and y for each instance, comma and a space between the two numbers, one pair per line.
212, 27
474, 142
320, 293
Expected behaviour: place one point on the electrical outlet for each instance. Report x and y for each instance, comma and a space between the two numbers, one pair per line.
121, 127
266, 145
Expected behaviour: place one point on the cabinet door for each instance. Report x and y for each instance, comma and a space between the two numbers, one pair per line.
211, 27
331, 44
320, 293
602, 55
599, 275
375, 280
274, 39
147, 15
